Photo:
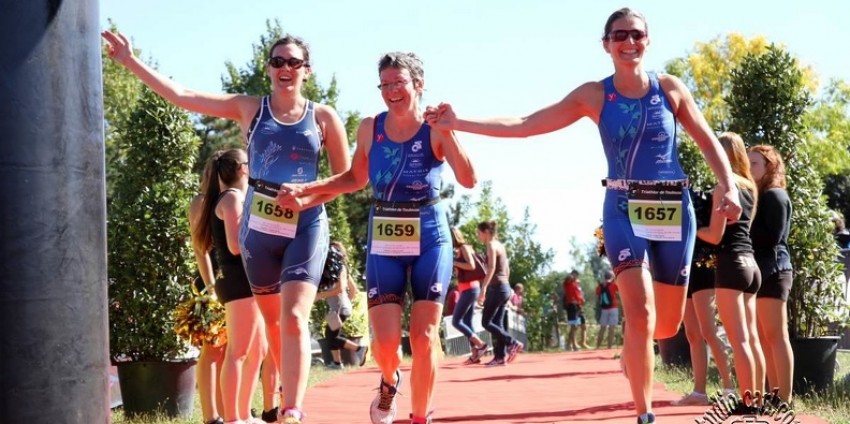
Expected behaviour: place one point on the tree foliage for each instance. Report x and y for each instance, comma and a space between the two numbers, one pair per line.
150, 259
767, 101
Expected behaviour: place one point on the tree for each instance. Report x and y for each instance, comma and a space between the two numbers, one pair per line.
767, 101
705, 71
150, 260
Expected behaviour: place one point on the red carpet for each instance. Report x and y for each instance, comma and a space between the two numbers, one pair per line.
579, 387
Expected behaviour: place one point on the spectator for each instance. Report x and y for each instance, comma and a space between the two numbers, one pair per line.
842, 236
609, 314
515, 303
573, 304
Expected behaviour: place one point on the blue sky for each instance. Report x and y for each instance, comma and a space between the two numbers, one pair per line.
487, 58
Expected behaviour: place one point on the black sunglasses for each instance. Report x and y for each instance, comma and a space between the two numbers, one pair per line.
621, 35
278, 62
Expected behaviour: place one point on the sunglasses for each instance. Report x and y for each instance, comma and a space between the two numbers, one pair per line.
622, 34
278, 62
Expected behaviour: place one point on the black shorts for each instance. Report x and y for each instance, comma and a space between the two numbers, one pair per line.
233, 284
702, 278
737, 271
574, 314
777, 285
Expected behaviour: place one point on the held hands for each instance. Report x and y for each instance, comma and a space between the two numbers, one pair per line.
291, 196
441, 117
730, 204
118, 47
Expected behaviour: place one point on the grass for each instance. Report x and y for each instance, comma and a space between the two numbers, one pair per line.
833, 405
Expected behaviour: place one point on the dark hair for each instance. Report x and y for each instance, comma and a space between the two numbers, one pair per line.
490, 226
224, 165
623, 13
297, 41
403, 60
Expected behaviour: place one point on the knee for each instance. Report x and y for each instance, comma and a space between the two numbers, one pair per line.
294, 324
694, 335
641, 320
665, 330
425, 339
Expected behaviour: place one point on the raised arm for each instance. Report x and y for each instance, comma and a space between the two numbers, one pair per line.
240, 108
584, 101
692, 120
447, 146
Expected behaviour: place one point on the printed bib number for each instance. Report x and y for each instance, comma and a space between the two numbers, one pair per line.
269, 218
395, 231
655, 211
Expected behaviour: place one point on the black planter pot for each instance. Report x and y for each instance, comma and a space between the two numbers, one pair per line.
157, 387
814, 363
349, 357
676, 350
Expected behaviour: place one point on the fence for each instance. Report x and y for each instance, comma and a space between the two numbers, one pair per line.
456, 343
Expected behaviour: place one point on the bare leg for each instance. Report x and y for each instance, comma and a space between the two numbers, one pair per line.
297, 300
699, 354
386, 338
774, 339
730, 304
425, 343
704, 307
636, 292
207, 372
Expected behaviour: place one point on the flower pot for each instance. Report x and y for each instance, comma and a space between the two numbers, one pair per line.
676, 350
814, 363
157, 387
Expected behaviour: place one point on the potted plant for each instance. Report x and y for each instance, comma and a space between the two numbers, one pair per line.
150, 261
768, 102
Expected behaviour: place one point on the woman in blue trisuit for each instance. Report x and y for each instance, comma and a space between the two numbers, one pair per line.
403, 157
648, 220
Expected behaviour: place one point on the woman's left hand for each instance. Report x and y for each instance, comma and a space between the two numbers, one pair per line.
289, 196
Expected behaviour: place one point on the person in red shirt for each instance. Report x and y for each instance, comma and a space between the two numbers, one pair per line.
609, 317
573, 303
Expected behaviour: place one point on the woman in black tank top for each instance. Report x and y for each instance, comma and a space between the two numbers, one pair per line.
208, 370
737, 277
218, 225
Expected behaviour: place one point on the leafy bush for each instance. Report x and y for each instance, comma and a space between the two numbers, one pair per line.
150, 259
768, 100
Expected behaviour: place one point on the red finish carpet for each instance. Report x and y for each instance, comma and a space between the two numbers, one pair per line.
579, 387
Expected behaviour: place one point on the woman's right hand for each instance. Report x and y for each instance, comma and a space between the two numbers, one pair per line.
118, 47
441, 117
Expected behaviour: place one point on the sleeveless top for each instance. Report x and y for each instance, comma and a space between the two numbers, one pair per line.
224, 258
501, 274
403, 171
639, 135
341, 303
736, 237
284, 153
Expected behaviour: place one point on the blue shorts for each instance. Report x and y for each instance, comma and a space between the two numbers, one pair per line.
272, 260
430, 272
668, 261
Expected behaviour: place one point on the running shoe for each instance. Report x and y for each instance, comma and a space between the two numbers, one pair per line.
692, 399
383, 408
291, 416
478, 353
470, 361
513, 350
496, 362
650, 418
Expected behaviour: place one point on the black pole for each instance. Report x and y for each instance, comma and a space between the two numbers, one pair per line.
53, 320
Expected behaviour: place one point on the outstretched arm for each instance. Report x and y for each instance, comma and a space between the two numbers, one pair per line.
694, 122
576, 105
230, 106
